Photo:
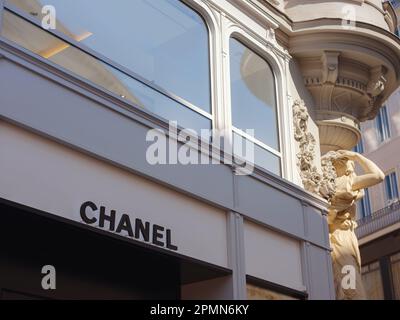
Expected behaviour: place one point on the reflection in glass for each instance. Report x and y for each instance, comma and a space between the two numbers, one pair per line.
253, 94
261, 156
44, 44
164, 41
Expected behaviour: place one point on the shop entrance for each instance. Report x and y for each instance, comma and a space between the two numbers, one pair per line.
88, 264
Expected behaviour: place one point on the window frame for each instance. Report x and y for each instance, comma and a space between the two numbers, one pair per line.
365, 205
385, 134
389, 175
258, 48
194, 5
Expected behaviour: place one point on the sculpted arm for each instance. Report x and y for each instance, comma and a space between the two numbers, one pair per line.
372, 174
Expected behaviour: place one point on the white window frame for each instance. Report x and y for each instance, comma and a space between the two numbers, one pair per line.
385, 195
214, 47
233, 30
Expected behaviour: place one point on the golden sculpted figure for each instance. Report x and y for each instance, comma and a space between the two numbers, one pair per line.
348, 188
342, 187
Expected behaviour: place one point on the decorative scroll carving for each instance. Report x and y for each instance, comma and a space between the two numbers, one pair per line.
313, 181
328, 182
271, 35
310, 177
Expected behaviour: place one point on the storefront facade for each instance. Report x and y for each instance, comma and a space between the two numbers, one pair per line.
75, 116
77, 189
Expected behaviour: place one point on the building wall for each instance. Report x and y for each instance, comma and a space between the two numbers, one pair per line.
380, 249
385, 154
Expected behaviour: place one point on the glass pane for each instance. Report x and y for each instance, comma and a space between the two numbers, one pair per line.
367, 202
261, 157
253, 94
364, 206
164, 41
393, 178
385, 122
360, 210
84, 65
388, 189
379, 126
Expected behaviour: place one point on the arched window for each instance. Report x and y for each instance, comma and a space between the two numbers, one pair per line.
254, 106
154, 53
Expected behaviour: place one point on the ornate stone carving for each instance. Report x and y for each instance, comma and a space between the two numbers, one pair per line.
310, 177
270, 36
328, 187
343, 87
322, 184
377, 81
340, 185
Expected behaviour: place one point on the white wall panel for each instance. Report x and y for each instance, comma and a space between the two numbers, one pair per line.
47, 176
272, 257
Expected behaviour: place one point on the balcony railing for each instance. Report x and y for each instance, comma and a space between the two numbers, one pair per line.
378, 220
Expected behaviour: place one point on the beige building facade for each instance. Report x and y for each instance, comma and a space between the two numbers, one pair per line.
379, 211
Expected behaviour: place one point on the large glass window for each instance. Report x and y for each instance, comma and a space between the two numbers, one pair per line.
382, 124
158, 50
391, 188
253, 100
